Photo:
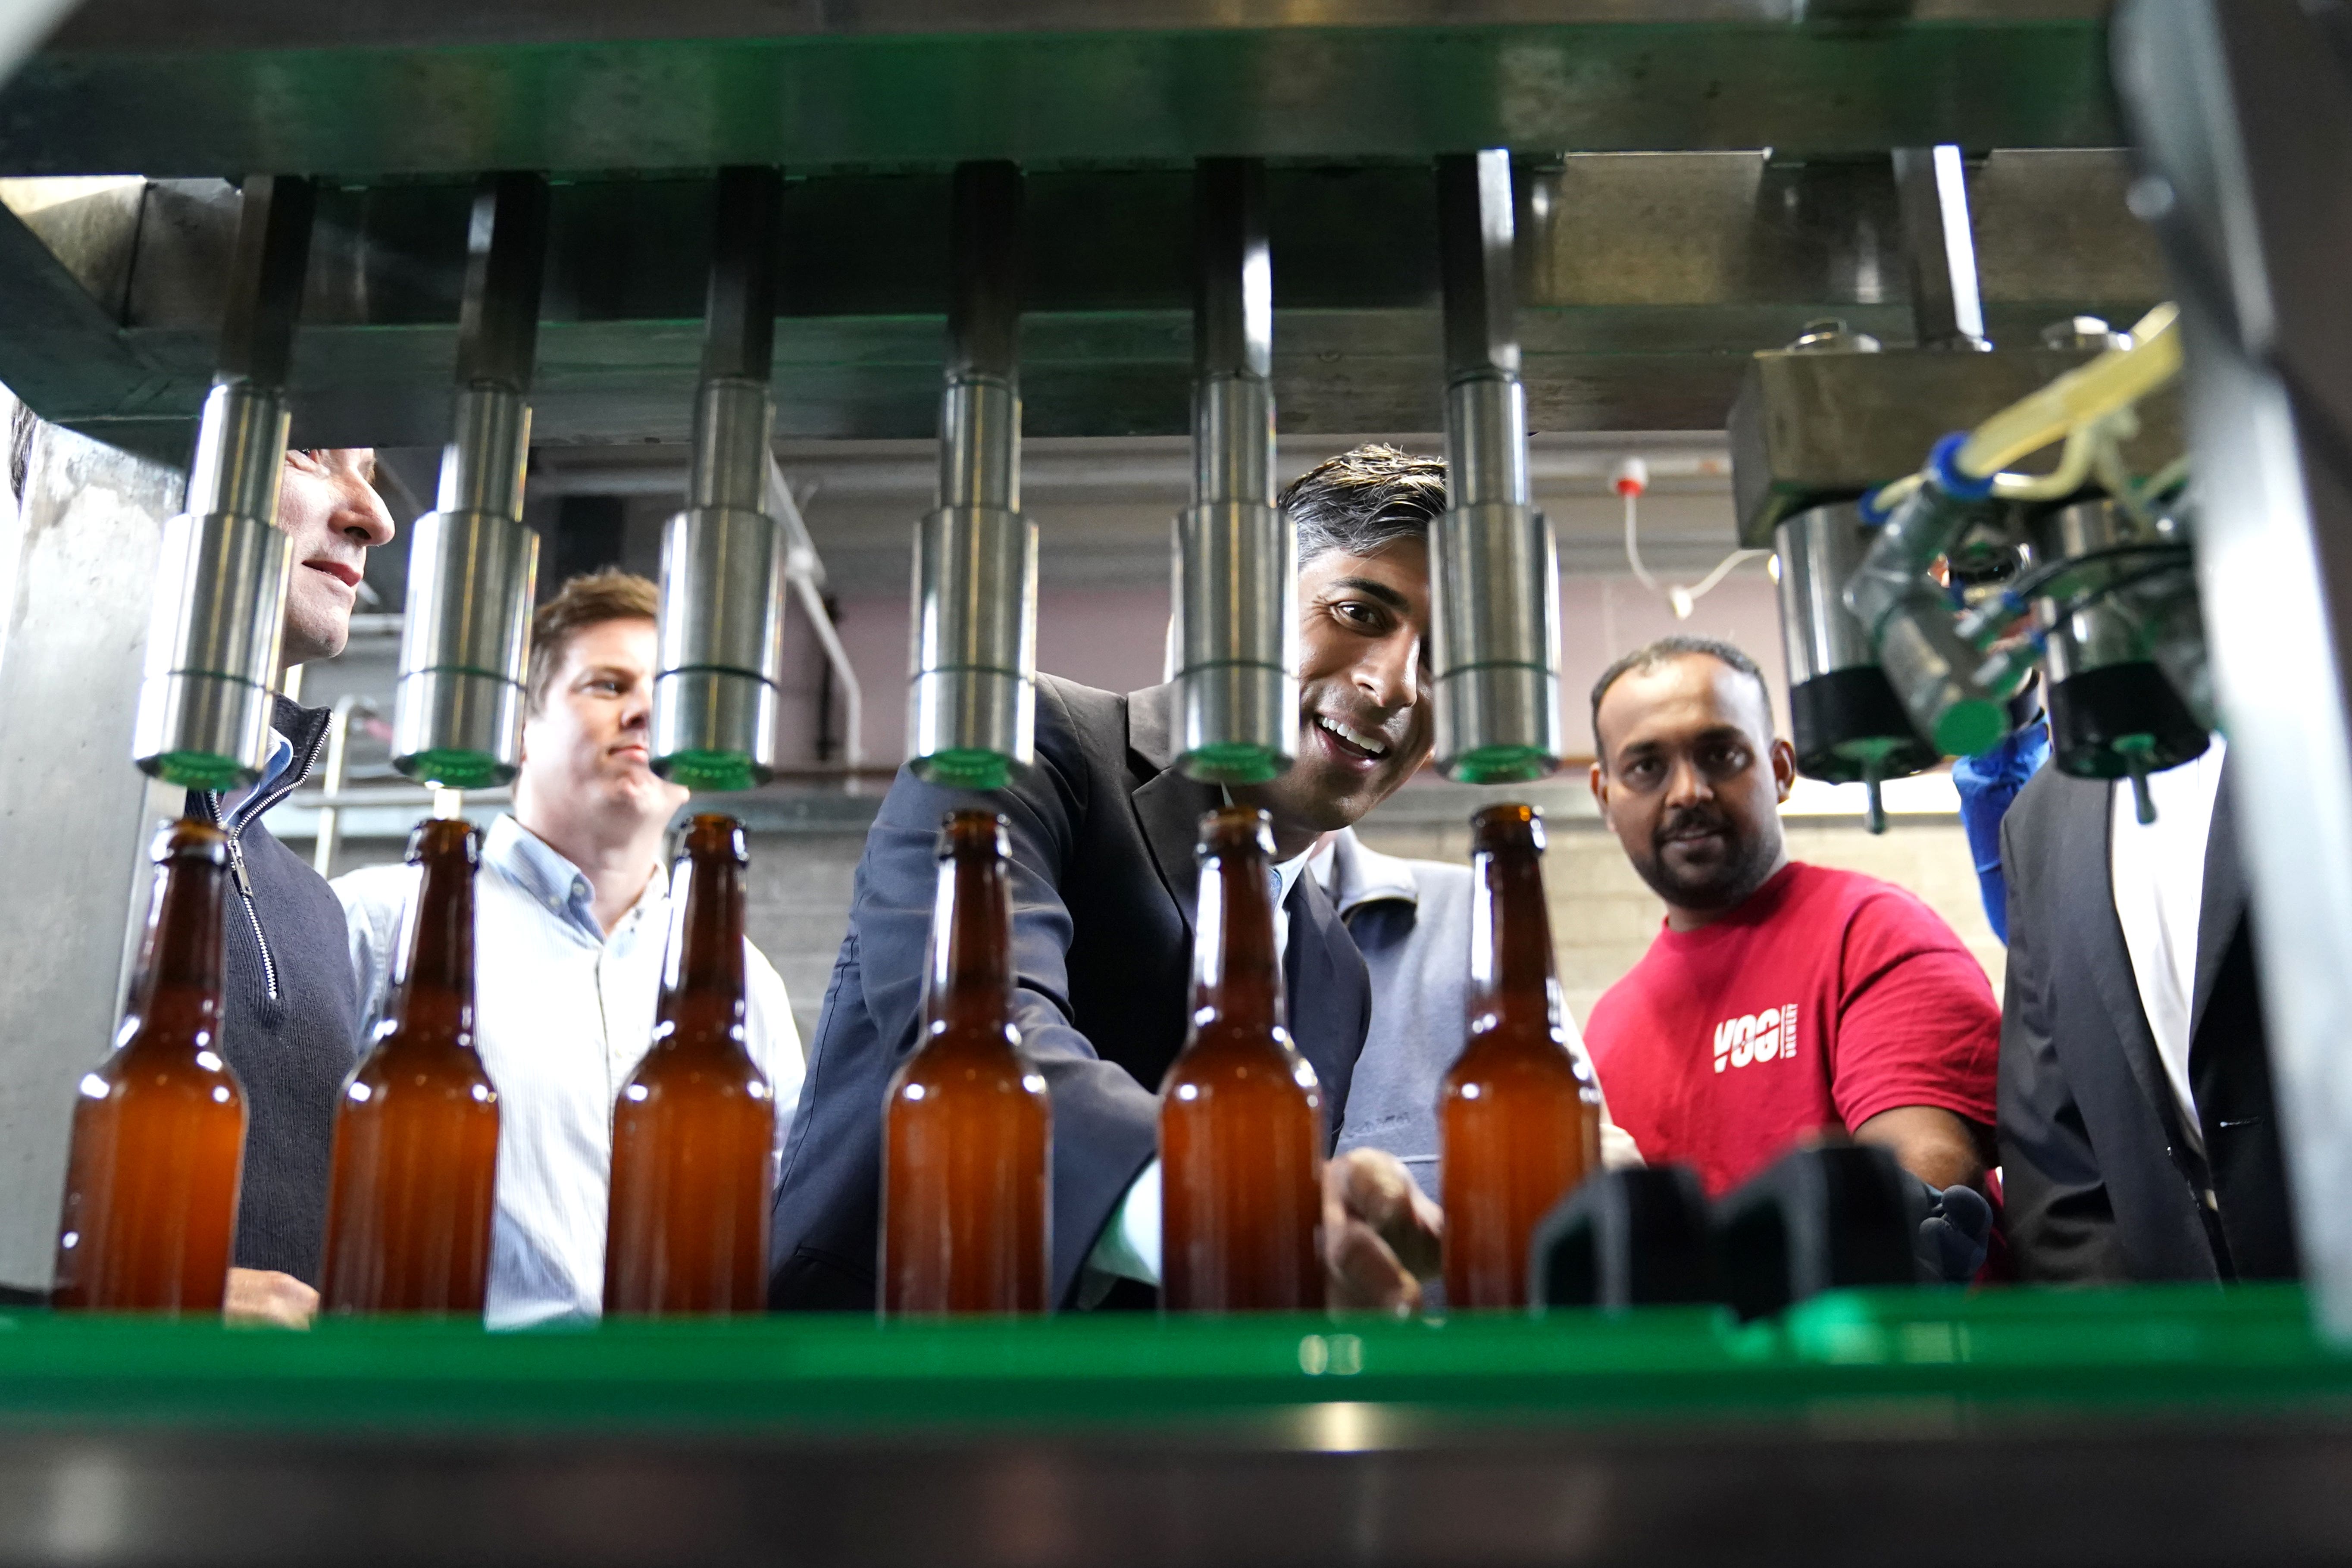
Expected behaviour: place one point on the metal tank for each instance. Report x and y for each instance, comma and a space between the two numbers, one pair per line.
1845, 720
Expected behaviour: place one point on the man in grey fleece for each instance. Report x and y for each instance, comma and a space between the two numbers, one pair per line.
1411, 920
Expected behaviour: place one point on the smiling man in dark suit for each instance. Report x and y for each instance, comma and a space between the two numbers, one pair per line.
1102, 832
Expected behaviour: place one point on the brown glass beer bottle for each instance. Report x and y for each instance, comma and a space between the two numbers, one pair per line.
416, 1136
694, 1131
966, 1128
1241, 1116
158, 1128
1518, 1121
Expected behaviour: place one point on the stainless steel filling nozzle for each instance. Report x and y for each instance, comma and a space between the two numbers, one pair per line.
1494, 567
1236, 558
472, 566
218, 623
972, 688
722, 605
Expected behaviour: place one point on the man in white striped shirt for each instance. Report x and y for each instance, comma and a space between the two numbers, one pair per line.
571, 916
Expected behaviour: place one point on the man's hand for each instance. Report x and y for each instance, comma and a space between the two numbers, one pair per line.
1381, 1235
263, 1298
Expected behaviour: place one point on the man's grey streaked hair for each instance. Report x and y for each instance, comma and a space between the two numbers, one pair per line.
1365, 500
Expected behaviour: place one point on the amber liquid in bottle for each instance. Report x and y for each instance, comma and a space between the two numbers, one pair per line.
966, 1128
158, 1128
694, 1130
1241, 1116
416, 1136
1518, 1122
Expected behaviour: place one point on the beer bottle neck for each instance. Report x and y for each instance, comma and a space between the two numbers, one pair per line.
1236, 977
441, 940
972, 952
180, 958
1511, 963
706, 937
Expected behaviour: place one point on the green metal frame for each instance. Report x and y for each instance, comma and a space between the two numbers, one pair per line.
1945, 1356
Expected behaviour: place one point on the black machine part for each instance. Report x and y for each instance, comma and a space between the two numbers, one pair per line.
1626, 1238
1828, 1219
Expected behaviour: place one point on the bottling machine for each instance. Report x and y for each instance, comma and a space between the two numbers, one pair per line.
2006, 459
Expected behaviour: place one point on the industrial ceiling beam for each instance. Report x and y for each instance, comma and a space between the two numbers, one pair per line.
448, 86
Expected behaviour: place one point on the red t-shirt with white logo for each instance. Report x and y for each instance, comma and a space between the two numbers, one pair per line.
1825, 998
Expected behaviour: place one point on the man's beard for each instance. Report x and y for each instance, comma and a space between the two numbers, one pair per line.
1746, 860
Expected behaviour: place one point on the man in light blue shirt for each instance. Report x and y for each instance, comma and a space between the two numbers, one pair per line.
571, 921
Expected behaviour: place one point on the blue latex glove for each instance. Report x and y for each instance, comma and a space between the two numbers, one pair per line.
1987, 785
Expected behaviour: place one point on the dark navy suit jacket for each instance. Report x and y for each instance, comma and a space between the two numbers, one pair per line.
1102, 831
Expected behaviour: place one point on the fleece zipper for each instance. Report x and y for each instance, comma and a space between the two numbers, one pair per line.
249, 810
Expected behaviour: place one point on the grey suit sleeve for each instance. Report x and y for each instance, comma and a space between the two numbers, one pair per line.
2060, 1221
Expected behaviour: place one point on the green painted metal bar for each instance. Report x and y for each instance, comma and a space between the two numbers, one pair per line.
1051, 99
2100, 1356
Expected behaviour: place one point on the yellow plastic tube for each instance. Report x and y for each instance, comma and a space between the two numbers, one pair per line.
2116, 379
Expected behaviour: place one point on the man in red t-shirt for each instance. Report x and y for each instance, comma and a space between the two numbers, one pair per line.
1782, 1001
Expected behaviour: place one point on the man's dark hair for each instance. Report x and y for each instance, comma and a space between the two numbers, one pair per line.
1665, 650
1365, 500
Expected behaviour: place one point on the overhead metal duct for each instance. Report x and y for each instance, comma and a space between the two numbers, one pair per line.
1236, 558
1494, 566
472, 566
722, 604
972, 690
220, 614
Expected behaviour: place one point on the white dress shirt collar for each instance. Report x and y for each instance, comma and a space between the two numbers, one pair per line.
542, 871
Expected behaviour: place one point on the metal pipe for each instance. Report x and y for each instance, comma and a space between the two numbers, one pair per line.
473, 564
722, 605
804, 569
1236, 558
330, 783
972, 688
1494, 564
218, 623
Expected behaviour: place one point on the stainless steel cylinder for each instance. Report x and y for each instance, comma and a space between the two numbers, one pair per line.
722, 606
1495, 641
1819, 550
1237, 575
218, 623
472, 570
1493, 564
1486, 442
971, 703
971, 688
980, 445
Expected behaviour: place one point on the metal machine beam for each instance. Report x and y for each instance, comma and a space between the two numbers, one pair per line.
1645, 282
212, 87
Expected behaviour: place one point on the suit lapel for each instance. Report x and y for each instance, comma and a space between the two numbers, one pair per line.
1328, 995
2109, 958
2221, 907
1168, 805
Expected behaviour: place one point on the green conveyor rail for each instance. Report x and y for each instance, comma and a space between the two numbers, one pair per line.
1897, 1360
